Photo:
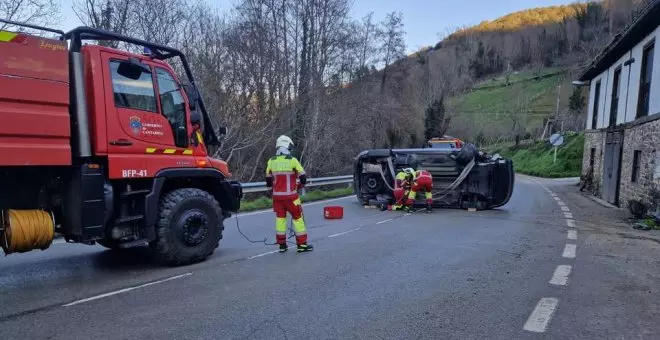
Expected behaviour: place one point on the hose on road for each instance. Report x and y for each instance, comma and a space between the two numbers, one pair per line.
290, 233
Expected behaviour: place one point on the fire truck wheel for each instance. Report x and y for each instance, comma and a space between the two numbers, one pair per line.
189, 228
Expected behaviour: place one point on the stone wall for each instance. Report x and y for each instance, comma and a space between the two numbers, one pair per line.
594, 139
642, 135
645, 138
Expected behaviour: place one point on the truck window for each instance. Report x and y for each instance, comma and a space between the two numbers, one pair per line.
173, 106
137, 94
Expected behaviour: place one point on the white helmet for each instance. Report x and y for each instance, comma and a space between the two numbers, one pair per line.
409, 171
284, 142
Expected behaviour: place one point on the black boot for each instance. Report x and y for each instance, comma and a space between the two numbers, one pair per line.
283, 248
305, 247
429, 208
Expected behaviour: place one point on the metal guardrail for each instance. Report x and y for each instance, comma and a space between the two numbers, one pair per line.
311, 182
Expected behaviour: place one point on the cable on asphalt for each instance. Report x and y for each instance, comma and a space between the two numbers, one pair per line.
290, 231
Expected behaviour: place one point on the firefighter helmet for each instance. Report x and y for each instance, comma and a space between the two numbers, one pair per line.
284, 142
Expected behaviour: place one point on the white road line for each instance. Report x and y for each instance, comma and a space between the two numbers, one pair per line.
557, 199
560, 277
568, 215
565, 208
570, 223
101, 296
569, 251
342, 233
540, 317
572, 235
385, 221
263, 254
561, 203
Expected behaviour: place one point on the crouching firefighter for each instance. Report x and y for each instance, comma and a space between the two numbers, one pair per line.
422, 181
402, 185
282, 174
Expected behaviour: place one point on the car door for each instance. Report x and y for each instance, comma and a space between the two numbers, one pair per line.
148, 127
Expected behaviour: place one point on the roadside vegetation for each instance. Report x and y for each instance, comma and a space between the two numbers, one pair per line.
535, 159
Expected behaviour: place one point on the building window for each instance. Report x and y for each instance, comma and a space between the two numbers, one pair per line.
594, 116
592, 157
645, 81
635, 166
614, 103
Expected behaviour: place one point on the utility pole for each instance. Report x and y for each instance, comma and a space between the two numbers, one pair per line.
556, 119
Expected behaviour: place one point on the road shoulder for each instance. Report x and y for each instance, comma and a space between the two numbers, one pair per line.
613, 289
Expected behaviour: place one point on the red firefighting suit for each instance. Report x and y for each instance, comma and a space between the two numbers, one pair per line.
282, 173
423, 181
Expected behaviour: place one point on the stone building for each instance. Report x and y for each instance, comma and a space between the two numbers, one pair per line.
622, 140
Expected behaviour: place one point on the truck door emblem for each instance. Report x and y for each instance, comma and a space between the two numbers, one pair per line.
135, 124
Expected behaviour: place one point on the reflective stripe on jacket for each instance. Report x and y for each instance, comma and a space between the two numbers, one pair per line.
284, 171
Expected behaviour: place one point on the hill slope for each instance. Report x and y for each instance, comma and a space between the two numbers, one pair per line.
518, 103
498, 80
536, 159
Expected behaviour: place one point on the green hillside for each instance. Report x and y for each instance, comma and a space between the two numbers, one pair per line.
537, 159
518, 101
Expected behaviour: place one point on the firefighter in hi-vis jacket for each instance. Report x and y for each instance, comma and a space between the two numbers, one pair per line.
402, 185
282, 175
422, 181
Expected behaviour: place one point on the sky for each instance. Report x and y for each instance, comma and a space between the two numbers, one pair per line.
425, 21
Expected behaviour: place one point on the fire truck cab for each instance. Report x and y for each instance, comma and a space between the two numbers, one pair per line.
107, 146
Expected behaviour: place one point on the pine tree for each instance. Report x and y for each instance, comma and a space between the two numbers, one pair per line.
435, 123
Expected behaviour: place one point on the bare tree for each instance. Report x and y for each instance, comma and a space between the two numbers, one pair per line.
111, 15
392, 45
39, 12
161, 24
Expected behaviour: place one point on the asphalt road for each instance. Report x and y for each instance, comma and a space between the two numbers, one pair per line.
523, 271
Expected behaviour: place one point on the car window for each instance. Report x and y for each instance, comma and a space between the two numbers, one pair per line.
447, 146
130, 93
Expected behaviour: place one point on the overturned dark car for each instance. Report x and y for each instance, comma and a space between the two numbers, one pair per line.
462, 178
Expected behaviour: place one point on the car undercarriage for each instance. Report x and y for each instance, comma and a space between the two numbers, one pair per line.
464, 178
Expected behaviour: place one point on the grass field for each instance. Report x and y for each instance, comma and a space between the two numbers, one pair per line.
536, 159
310, 196
516, 77
493, 108
527, 94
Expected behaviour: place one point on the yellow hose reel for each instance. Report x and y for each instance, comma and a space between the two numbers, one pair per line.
26, 230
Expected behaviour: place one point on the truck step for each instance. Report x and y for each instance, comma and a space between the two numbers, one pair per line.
134, 193
136, 243
128, 219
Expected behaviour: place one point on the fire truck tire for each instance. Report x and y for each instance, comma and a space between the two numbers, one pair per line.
189, 227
